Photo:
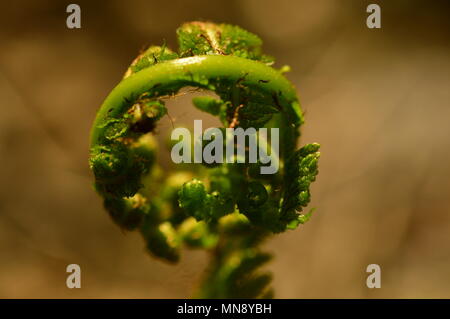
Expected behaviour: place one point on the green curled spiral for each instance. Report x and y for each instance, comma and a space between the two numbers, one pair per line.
204, 207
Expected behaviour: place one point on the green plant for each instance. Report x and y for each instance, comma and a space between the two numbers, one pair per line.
226, 209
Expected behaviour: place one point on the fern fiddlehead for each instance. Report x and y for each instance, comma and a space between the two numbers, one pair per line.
227, 209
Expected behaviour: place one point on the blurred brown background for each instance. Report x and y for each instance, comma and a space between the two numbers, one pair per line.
377, 101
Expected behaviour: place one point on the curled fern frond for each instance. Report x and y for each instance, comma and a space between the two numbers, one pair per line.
227, 209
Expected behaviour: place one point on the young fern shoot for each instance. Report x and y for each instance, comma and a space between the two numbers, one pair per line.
226, 209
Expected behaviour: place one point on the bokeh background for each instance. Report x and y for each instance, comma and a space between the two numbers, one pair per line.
376, 99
